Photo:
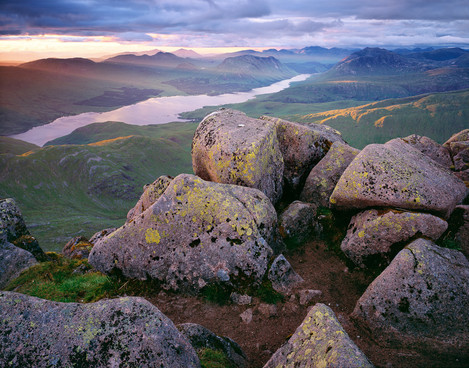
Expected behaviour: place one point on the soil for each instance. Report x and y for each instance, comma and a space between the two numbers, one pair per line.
322, 269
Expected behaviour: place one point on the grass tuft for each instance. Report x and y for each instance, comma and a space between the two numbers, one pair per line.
213, 359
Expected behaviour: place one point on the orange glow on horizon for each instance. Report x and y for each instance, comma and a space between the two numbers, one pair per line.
28, 48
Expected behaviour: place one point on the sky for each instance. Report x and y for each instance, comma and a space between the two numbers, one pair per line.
30, 29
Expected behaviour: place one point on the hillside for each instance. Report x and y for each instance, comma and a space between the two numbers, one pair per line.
15, 146
437, 116
93, 185
80, 85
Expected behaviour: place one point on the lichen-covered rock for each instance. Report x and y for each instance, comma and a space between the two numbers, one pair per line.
461, 159
196, 233
397, 175
282, 275
201, 337
151, 192
302, 146
77, 248
127, 332
320, 341
12, 225
373, 236
323, 178
13, 229
463, 135
13, 261
420, 300
232, 148
430, 148
298, 223
101, 234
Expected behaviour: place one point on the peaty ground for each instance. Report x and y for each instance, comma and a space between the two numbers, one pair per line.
322, 270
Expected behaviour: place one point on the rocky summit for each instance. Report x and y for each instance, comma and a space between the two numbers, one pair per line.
394, 289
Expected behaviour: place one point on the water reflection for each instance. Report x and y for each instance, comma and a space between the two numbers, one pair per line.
158, 110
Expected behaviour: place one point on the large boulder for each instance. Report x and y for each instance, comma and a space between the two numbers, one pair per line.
462, 136
298, 223
13, 261
127, 332
372, 236
420, 300
230, 147
320, 341
196, 233
201, 338
397, 175
151, 192
323, 178
430, 148
302, 147
13, 229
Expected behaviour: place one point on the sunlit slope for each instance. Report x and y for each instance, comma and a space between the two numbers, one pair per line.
70, 190
437, 116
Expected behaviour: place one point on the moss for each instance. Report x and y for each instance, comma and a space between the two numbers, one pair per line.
213, 359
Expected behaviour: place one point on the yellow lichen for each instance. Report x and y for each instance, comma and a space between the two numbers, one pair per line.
152, 236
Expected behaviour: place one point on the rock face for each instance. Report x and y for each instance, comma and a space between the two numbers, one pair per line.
421, 300
323, 178
110, 333
372, 235
298, 223
302, 146
196, 233
13, 261
282, 275
458, 137
13, 229
397, 175
462, 234
230, 147
320, 341
151, 192
79, 248
430, 148
201, 337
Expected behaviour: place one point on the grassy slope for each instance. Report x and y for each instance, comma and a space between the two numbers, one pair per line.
15, 146
70, 190
437, 116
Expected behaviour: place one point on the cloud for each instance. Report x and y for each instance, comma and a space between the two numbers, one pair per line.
228, 22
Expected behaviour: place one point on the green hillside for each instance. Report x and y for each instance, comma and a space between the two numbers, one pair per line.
437, 116
70, 190
15, 146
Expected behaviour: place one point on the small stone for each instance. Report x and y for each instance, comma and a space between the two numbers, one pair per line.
246, 316
306, 296
267, 310
283, 276
240, 299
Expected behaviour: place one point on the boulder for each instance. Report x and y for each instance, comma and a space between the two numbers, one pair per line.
282, 275
302, 147
323, 178
461, 159
375, 236
421, 300
462, 136
232, 148
320, 341
12, 225
196, 233
13, 261
151, 192
13, 229
201, 337
111, 333
397, 175
430, 148
77, 248
298, 223
458, 232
